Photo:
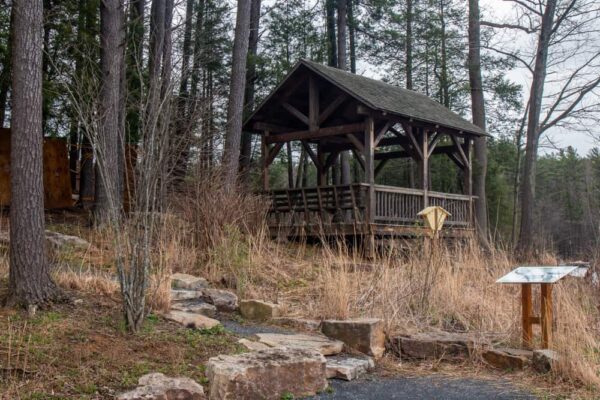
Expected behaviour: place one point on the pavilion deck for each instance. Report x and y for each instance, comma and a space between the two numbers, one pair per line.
345, 210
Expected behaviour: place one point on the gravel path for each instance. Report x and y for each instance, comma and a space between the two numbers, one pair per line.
423, 388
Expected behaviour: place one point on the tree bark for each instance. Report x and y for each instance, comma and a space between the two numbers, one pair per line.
135, 48
527, 233
108, 203
352, 33
29, 278
342, 36
5, 76
332, 60
235, 109
478, 111
250, 86
409, 44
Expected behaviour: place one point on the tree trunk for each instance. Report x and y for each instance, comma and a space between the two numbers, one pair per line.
444, 84
409, 44
29, 279
527, 234
108, 204
5, 76
235, 109
135, 48
352, 32
332, 60
342, 25
250, 86
478, 110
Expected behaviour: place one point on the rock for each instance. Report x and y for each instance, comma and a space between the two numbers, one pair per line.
196, 307
191, 320
267, 374
61, 240
188, 282
224, 300
543, 360
348, 368
252, 345
437, 345
259, 310
320, 343
179, 295
157, 386
365, 335
505, 358
310, 325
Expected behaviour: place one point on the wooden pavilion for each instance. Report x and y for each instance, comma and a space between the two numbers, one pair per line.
330, 111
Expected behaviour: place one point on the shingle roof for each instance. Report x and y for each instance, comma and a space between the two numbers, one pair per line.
382, 96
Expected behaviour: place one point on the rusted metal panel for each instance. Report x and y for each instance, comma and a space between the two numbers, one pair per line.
57, 185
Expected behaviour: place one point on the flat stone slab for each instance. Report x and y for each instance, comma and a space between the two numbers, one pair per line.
184, 294
309, 325
224, 300
505, 358
252, 345
259, 310
267, 374
347, 367
157, 386
195, 306
544, 360
434, 345
322, 344
365, 334
55, 239
190, 320
189, 282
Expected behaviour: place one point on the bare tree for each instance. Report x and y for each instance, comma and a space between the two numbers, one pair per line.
107, 206
235, 109
29, 282
478, 111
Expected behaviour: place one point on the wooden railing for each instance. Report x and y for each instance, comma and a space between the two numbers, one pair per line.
348, 204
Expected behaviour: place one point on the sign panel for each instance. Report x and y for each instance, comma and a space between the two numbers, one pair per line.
537, 274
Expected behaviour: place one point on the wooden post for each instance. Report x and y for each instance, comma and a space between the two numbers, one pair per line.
313, 104
546, 315
321, 172
425, 166
369, 154
265, 163
526, 309
468, 177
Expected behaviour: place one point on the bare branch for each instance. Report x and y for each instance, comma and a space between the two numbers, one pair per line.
509, 26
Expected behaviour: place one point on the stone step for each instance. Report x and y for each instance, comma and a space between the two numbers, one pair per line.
191, 320
188, 282
156, 386
195, 306
259, 310
303, 324
184, 294
434, 345
348, 367
268, 374
322, 344
506, 358
544, 360
252, 345
363, 334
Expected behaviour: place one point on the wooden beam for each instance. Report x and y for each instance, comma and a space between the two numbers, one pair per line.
388, 155
369, 155
313, 104
382, 132
433, 143
264, 156
526, 311
319, 133
457, 160
357, 143
546, 315
330, 160
415, 145
321, 173
332, 107
424, 151
358, 156
311, 153
272, 153
295, 112
264, 126
460, 150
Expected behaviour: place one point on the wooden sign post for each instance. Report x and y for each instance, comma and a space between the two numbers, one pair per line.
545, 277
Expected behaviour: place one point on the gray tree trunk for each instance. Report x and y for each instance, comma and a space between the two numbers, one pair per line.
342, 37
107, 206
246, 150
29, 278
235, 109
527, 243
478, 110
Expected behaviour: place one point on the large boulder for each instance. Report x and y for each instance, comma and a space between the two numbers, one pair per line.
544, 360
505, 358
365, 335
322, 344
259, 310
267, 374
224, 300
157, 386
188, 282
348, 367
191, 320
185, 294
434, 345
